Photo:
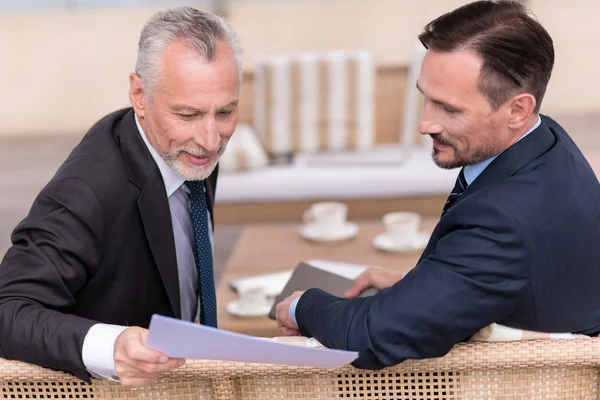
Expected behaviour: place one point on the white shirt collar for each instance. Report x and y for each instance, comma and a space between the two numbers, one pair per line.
473, 171
171, 179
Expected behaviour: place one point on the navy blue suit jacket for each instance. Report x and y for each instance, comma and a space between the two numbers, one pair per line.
520, 247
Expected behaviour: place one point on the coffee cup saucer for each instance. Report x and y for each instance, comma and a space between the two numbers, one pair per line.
385, 243
314, 233
239, 309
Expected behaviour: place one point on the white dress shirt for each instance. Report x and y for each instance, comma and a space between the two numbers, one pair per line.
98, 345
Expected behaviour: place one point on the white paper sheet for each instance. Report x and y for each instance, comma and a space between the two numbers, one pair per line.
181, 339
347, 270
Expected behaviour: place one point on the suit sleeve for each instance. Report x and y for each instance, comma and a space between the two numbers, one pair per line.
54, 251
476, 275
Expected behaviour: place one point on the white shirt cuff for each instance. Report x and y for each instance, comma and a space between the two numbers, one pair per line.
293, 306
99, 349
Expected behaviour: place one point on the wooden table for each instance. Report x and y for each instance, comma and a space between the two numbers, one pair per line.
267, 248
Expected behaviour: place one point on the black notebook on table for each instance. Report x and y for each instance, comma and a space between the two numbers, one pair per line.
305, 277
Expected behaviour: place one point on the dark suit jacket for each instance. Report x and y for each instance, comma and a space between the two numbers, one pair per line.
520, 247
97, 246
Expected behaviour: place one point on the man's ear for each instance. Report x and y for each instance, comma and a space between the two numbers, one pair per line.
137, 96
521, 107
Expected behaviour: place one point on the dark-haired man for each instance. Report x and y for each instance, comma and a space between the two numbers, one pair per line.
517, 242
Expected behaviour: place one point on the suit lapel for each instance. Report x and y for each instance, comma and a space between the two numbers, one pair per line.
154, 207
156, 217
506, 164
513, 159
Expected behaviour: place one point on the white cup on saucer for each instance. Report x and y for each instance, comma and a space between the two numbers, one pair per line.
326, 222
402, 227
327, 216
402, 233
252, 302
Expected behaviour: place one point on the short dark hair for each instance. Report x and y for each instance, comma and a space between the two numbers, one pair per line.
516, 51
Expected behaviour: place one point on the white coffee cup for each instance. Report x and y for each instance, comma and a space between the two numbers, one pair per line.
328, 216
252, 298
402, 228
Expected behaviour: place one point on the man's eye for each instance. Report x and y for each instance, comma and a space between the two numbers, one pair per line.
186, 117
225, 113
449, 110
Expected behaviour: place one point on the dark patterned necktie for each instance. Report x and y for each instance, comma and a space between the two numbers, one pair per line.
203, 253
459, 188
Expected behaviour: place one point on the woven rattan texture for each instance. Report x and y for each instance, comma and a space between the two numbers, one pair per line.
544, 369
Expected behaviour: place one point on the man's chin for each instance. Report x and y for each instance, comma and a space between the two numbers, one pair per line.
443, 161
191, 172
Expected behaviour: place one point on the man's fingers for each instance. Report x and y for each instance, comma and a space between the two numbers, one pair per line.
134, 376
284, 319
290, 331
286, 325
377, 277
287, 329
152, 368
361, 283
138, 352
141, 368
130, 345
137, 365
146, 371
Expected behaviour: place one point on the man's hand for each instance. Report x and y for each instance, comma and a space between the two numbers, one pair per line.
284, 320
377, 277
135, 364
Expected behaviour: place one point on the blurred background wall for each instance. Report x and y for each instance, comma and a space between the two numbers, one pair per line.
66, 63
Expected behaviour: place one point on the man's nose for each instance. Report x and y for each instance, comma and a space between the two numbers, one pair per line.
427, 123
208, 137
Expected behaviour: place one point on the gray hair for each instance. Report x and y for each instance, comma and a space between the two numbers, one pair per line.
200, 29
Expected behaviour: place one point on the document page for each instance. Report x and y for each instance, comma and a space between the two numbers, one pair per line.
181, 339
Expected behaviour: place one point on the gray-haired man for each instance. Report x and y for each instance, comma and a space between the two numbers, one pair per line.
124, 229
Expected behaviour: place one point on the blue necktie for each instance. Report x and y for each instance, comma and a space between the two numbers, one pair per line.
459, 188
203, 253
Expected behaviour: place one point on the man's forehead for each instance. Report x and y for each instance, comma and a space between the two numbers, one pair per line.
455, 72
192, 76
181, 61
